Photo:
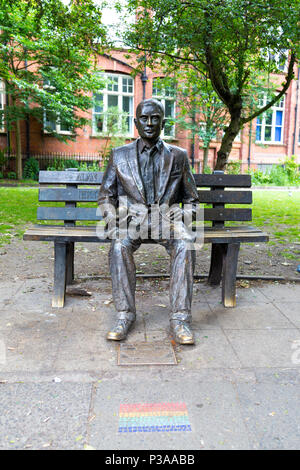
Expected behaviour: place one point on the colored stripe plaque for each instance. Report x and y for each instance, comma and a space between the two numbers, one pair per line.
153, 417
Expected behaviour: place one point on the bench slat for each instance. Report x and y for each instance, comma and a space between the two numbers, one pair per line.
234, 181
85, 177
220, 214
68, 213
90, 213
88, 234
68, 194
64, 177
225, 197
91, 195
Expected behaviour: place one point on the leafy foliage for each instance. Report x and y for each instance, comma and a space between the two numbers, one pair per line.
47, 60
31, 169
284, 174
231, 42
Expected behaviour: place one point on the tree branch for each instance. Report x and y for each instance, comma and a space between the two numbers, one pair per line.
289, 78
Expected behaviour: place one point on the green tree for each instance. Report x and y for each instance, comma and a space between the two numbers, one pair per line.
200, 110
230, 41
47, 61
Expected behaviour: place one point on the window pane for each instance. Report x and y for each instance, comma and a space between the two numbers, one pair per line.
169, 108
128, 108
278, 134
50, 120
268, 133
279, 118
258, 133
98, 107
127, 104
127, 85
112, 100
280, 104
169, 128
113, 84
156, 88
170, 91
269, 117
99, 123
64, 126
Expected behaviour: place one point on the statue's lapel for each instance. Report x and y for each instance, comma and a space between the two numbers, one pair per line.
132, 160
165, 170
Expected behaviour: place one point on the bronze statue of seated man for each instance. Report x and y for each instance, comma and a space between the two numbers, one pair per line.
149, 173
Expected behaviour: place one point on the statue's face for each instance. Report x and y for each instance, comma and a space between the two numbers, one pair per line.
149, 122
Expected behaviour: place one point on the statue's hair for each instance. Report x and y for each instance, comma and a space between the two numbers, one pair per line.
148, 101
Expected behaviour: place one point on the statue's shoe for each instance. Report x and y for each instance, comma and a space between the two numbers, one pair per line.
182, 332
120, 330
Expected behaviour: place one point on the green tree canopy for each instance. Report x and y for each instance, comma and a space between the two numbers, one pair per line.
48, 60
232, 42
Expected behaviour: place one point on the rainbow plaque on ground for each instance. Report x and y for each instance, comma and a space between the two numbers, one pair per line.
153, 417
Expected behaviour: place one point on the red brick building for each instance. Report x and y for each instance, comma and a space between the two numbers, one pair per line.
264, 142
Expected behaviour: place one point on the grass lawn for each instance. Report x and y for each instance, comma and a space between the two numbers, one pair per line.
277, 212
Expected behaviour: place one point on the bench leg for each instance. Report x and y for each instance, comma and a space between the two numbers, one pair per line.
60, 271
216, 263
229, 275
70, 263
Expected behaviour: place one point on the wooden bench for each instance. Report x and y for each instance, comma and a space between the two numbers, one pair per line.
83, 186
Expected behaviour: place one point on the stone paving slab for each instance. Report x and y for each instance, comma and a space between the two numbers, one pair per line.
264, 348
205, 403
44, 416
272, 415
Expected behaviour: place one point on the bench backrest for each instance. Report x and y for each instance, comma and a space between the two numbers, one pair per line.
70, 187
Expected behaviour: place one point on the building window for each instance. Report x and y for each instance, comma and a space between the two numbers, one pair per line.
52, 121
269, 126
2, 104
114, 102
166, 94
280, 59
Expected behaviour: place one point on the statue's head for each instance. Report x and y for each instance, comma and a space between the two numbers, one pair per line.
150, 119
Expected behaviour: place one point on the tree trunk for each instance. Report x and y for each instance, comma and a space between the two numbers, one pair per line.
227, 141
19, 169
205, 157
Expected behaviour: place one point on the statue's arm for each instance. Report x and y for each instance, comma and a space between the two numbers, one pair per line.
189, 188
107, 199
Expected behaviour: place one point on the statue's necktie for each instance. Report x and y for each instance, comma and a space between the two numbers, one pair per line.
149, 176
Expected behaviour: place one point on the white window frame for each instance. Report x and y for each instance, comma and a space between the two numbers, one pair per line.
279, 106
164, 97
109, 90
2, 104
57, 124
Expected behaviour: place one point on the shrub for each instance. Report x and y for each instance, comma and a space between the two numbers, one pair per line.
233, 168
292, 169
59, 164
284, 174
11, 175
31, 169
1, 175
3, 160
84, 166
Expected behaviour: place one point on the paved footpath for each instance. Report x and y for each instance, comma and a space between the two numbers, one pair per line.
61, 386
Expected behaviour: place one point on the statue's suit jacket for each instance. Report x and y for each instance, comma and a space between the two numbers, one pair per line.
122, 178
